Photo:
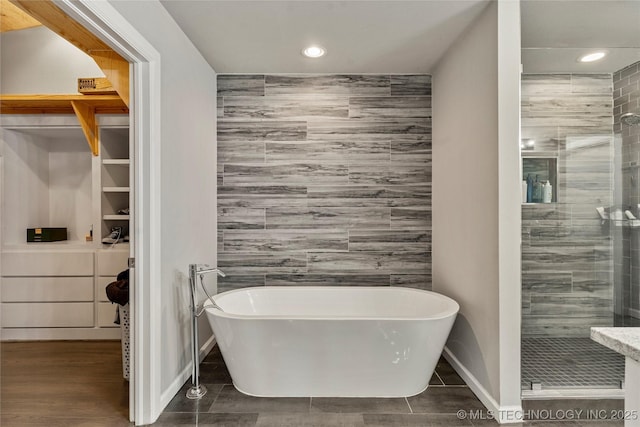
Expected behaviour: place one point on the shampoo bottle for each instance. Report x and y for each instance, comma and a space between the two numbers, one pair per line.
529, 189
537, 191
547, 192
524, 191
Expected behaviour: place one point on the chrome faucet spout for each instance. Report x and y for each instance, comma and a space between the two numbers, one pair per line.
210, 270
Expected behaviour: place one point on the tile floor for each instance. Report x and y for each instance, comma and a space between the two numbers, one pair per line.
570, 363
225, 406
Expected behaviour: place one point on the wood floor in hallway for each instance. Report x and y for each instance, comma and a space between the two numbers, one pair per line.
63, 383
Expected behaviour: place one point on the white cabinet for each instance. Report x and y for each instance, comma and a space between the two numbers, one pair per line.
47, 315
47, 289
101, 286
106, 315
47, 264
50, 294
112, 262
51, 179
109, 264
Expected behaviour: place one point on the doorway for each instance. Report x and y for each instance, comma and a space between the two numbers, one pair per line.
139, 142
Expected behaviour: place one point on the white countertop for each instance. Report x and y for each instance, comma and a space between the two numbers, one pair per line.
64, 246
625, 341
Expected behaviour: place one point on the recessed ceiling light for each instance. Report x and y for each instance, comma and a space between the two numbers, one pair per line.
594, 56
314, 51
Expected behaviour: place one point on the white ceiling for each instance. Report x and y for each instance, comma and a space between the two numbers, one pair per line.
398, 36
360, 36
556, 33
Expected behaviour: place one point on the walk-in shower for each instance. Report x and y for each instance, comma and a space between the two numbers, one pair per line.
580, 135
581, 251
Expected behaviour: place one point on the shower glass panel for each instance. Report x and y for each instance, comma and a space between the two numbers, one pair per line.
626, 224
567, 248
581, 249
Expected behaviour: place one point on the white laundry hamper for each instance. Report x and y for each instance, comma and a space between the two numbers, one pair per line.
124, 329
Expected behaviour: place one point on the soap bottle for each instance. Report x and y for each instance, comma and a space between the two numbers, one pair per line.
547, 192
524, 191
529, 189
537, 191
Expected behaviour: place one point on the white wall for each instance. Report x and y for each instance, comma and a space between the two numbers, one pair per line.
47, 182
476, 210
70, 185
37, 60
188, 169
25, 184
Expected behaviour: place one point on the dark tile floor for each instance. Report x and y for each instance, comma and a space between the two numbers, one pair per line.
567, 363
437, 406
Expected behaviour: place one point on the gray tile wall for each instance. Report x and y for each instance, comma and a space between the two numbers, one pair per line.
626, 98
567, 255
324, 180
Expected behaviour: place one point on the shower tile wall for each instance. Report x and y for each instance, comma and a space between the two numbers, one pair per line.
626, 86
567, 265
324, 180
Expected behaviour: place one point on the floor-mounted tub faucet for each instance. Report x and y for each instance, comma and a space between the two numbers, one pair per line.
197, 391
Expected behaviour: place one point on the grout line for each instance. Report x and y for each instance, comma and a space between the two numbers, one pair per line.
310, 403
409, 405
215, 399
439, 377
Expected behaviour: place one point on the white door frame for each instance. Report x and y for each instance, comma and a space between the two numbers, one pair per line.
105, 22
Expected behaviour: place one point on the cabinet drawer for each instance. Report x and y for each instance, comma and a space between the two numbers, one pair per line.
47, 289
47, 315
103, 281
47, 264
112, 263
106, 315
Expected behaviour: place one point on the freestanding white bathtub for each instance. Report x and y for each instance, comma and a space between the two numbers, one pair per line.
331, 341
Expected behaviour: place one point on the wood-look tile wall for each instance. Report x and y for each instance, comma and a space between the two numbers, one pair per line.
324, 180
567, 254
626, 98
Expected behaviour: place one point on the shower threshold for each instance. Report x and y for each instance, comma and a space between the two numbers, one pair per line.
573, 393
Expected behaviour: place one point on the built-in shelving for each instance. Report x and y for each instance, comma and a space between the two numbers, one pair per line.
122, 162
85, 107
115, 217
60, 104
114, 171
542, 169
115, 189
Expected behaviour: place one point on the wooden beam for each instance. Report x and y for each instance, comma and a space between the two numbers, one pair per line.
85, 107
60, 23
115, 67
87, 117
13, 18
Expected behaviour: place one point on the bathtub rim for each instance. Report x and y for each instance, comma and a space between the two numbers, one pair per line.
453, 310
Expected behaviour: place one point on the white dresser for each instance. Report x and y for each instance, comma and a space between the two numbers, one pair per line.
53, 292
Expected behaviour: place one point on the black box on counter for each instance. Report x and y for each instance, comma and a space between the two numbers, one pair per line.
46, 234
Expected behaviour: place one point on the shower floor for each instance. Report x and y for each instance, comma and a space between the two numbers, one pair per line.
570, 363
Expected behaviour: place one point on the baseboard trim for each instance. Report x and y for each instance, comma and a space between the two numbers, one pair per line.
55, 334
185, 374
502, 414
